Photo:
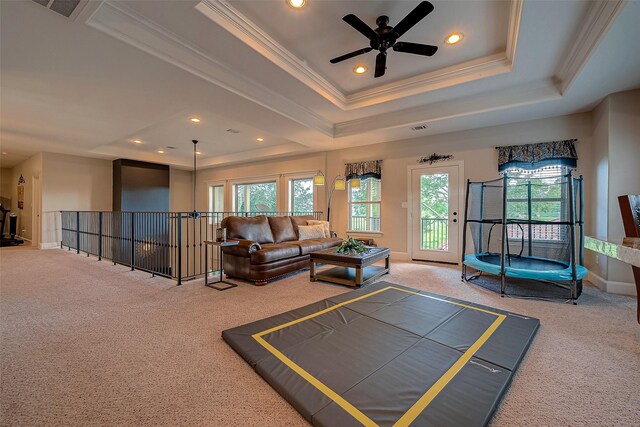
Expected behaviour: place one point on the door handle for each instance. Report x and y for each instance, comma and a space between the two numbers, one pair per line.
455, 220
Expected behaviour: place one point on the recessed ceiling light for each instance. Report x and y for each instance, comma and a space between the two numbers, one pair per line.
297, 3
454, 38
160, 151
259, 139
137, 141
194, 120
198, 152
360, 69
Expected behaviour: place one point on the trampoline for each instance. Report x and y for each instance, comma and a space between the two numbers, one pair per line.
388, 355
526, 229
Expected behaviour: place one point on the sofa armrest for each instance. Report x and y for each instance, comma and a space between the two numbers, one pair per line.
244, 248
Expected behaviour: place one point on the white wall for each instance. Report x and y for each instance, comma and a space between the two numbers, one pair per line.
476, 148
6, 182
180, 190
30, 169
72, 183
624, 155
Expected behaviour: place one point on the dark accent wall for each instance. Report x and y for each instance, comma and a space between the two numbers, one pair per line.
140, 186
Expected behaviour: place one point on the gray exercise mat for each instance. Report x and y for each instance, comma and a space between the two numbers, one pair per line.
386, 353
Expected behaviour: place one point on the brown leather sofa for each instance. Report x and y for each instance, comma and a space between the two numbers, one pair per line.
269, 247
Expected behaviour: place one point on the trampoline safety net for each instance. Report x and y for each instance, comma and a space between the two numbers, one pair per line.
541, 218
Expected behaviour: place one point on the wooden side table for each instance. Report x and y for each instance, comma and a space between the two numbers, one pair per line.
217, 284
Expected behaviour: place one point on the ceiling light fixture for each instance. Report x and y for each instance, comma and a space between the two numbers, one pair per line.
137, 141
198, 152
360, 69
160, 151
4, 152
194, 120
454, 38
297, 4
259, 139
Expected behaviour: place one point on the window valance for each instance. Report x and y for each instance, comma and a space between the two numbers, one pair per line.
363, 170
535, 156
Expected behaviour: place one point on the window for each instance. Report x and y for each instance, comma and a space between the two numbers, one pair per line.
255, 197
548, 202
301, 195
364, 205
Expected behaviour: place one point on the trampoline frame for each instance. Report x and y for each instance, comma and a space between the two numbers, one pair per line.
575, 219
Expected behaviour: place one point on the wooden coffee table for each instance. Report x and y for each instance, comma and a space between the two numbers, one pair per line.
350, 270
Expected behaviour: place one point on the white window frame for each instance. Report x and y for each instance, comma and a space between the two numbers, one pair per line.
248, 181
369, 203
289, 195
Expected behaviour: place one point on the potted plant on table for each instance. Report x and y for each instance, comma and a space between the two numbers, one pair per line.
352, 246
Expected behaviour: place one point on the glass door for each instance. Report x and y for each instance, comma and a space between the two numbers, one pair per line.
435, 218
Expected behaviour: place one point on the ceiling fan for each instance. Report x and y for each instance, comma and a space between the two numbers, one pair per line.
385, 37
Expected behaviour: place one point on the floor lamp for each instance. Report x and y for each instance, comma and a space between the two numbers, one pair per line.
338, 183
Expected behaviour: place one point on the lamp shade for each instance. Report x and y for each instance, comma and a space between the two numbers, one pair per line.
355, 182
340, 184
318, 180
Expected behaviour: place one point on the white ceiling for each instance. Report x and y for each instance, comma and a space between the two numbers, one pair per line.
121, 71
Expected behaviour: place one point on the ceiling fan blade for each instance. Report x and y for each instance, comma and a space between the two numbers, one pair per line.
363, 28
422, 10
415, 48
381, 64
350, 55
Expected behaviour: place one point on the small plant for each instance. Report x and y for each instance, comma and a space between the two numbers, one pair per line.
352, 246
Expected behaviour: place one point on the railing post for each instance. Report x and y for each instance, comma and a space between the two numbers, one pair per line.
99, 236
78, 232
179, 225
133, 243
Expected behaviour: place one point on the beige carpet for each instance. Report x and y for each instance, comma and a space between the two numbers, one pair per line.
84, 342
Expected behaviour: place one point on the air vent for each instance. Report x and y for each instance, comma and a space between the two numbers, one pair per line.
419, 127
63, 7
233, 131
171, 147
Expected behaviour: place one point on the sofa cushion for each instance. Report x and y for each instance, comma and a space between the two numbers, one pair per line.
297, 221
248, 228
275, 252
307, 232
308, 246
325, 224
282, 229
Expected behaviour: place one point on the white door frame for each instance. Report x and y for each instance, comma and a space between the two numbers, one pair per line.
36, 211
462, 185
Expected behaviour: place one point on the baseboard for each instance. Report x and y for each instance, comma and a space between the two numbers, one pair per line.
621, 288
400, 256
611, 287
50, 245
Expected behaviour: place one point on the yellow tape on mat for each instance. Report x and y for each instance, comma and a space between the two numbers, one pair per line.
421, 403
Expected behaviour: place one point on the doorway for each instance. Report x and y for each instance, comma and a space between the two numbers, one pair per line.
435, 218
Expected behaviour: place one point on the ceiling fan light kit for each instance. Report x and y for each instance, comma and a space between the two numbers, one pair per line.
385, 37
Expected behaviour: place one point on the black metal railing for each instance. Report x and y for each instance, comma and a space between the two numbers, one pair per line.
168, 244
435, 233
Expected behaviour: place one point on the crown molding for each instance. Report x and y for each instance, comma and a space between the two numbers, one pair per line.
222, 13
134, 29
531, 93
594, 27
229, 18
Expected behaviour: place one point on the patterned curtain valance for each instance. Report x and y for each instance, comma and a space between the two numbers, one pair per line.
535, 156
363, 170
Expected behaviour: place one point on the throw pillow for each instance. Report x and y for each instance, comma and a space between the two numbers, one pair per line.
307, 232
325, 224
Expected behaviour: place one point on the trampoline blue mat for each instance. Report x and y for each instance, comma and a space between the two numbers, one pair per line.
524, 267
388, 355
